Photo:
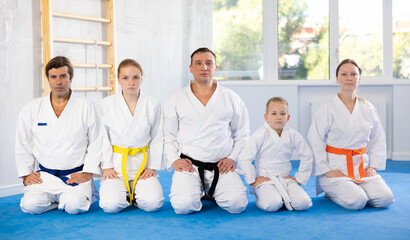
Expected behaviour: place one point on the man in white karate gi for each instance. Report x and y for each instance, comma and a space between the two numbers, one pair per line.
206, 125
58, 146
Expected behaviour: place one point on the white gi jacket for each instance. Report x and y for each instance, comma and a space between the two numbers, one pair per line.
335, 126
128, 131
60, 143
206, 133
272, 154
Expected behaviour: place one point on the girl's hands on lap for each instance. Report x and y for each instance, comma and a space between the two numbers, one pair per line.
147, 173
110, 173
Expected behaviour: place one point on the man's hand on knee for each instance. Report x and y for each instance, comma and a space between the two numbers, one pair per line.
79, 177
226, 165
183, 164
33, 178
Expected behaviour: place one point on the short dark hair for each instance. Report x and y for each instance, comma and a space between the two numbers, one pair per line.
347, 60
58, 62
201, 50
276, 99
129, 62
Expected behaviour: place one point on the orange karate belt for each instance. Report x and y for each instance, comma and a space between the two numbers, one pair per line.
349, 160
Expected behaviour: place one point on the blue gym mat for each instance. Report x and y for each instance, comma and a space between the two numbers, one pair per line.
325, 220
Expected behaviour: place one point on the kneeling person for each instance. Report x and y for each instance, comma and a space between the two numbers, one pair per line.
133, 144
60, 132
272, 146
206, 125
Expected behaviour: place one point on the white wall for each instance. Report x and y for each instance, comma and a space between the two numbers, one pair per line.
20, 71
401, 122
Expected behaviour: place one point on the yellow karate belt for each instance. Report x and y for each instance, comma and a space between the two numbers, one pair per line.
130, 151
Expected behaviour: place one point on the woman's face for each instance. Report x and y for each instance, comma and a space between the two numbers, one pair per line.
348, 77
130, 79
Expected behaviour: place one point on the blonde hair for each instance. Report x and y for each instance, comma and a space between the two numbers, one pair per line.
276, 99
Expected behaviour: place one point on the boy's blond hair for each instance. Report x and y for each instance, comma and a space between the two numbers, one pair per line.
276, 99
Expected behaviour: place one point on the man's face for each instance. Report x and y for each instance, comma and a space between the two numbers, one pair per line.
60, 81
203, 67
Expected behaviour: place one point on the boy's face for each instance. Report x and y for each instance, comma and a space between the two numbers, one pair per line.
277, 116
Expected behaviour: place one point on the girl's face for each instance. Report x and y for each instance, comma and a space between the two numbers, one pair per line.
130, 79
348, 77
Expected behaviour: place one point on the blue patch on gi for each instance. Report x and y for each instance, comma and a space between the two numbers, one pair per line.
42, 124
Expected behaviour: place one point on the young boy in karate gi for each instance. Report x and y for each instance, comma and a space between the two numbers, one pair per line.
272, 146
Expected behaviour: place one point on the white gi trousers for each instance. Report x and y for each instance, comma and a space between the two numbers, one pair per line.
53, 193
352, 195
269, 199
186, 191
148, 194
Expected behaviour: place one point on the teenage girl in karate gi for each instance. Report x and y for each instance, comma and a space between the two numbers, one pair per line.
132, 145
349, 146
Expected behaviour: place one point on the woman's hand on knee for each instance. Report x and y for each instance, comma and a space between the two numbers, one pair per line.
334, 173
147, 173
370, 172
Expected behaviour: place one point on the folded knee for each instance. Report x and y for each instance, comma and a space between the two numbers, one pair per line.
112, 207
234, 204
384, 201
34, 203
150, 205
269, 206
185, 204
357, 203
74, 203
302, 205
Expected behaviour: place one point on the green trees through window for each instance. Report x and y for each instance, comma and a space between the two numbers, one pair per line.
303, 38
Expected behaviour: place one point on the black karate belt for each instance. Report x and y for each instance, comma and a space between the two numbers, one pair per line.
202, 166
61, 174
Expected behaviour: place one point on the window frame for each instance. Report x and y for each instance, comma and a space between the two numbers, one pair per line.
270, 46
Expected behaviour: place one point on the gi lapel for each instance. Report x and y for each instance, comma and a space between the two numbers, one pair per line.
351, 127
56, 127
204, 112
132, 122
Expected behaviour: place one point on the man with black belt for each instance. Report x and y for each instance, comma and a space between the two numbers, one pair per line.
58, 146
206, 126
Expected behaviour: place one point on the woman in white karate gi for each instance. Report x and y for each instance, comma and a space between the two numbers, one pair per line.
132, 146
349, 146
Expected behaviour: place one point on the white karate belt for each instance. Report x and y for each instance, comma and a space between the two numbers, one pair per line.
282, 187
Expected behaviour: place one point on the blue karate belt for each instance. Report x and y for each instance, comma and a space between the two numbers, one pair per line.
61, 174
